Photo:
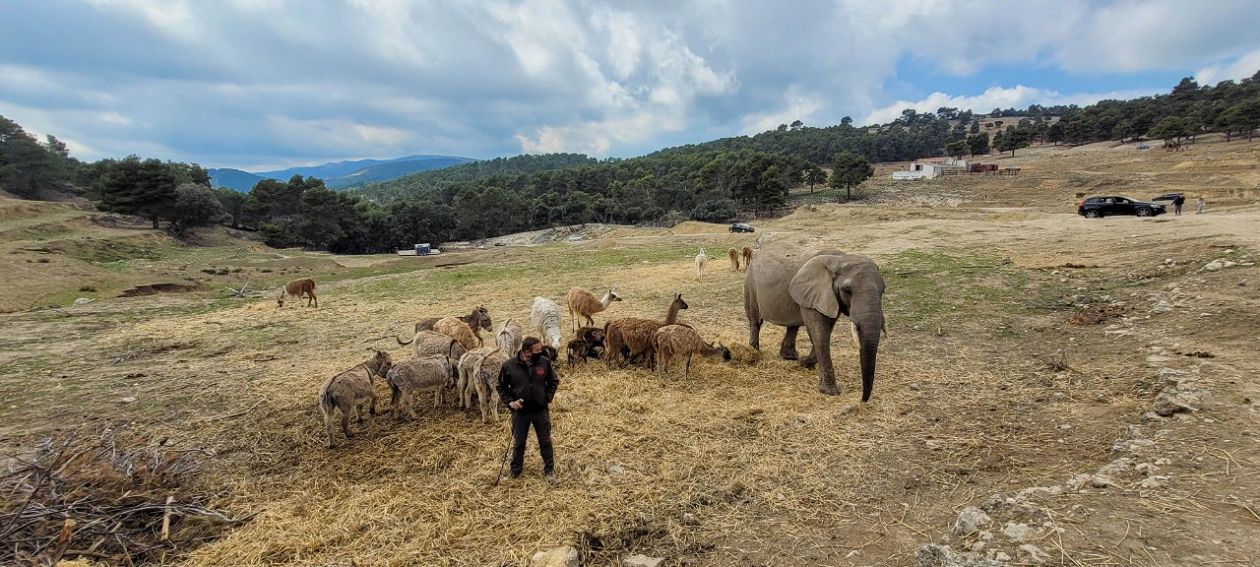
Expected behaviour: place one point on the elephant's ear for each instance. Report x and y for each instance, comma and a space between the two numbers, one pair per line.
814, 287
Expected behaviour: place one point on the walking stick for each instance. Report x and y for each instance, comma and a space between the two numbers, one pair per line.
503, 461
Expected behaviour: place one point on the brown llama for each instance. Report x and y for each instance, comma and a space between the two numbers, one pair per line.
299, 288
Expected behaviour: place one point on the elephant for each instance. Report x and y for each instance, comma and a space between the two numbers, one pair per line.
793, 287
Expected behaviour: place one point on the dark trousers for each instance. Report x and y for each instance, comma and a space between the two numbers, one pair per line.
521, 421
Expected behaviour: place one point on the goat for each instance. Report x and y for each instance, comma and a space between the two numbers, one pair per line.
430, 342
433, 372
595, 341
680, 340
477, 320
576, 351
631, 336
509, 337
348, 390
702, 260
454, 328
748, 253
545, 316
298, 289
583, 303
733, 254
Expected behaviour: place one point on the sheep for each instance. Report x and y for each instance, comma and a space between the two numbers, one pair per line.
545, 317
509, 337
629, 337
456, 329
479, 319
484, 376
583, 303
348, 390
748, 253
576, 351
595, 341
430, 342
733, 254
433, 372
702, 260
299, 288
680, 340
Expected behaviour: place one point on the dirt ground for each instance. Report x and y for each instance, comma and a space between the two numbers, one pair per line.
1097, 376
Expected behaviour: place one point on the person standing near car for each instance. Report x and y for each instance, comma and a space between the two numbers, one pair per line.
1178, 201
1200, 205
527, 384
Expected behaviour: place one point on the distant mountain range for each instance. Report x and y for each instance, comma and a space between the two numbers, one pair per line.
338, 175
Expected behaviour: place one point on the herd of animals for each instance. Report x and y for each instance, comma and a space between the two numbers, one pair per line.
785, 285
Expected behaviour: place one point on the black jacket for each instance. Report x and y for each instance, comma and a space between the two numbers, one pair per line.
535, 384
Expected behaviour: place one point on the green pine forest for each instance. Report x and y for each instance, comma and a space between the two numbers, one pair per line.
715, 181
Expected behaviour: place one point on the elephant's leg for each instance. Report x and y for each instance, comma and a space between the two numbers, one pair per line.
819, 328
787, 350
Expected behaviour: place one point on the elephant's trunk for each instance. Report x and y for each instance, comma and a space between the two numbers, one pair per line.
869, 326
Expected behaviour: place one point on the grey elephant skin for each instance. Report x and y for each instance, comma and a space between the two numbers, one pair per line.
794, 287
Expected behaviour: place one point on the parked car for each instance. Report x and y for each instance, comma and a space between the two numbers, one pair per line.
1166, 197
1095, 207
741, 227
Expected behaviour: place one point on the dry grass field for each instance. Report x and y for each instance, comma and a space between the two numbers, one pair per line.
1028, 347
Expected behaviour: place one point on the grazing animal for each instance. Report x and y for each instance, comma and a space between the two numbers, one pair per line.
484, 377
464, 370
748, 253
702, 260
545, 316
299, 288
680, 340
551, 353
348, 391
454, 328
576, 351
429, 342
733, 254
794, 287
595, 341
477, 320
509, 337
406, 379
629, 337
583, 303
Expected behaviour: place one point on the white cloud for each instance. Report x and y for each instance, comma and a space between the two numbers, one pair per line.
1018, 96
1241, 68
797, 105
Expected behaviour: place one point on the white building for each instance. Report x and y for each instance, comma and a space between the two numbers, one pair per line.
926, 170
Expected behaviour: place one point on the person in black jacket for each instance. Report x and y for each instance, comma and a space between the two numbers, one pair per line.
527, 383
1178, 201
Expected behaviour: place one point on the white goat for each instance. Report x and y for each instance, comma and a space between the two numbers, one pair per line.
545, 317
702, 260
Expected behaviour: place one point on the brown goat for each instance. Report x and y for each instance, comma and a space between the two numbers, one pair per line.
630, 337
454, 328
348, 390
748, 253
584, 304
680, 340
299, 288
733, 254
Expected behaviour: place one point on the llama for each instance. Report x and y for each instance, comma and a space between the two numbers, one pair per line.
630, 337
348, 391
679, 340
748, 254
545, 316
702, 260
299, 288
733, 254
583, 303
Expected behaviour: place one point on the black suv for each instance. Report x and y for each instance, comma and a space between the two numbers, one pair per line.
741, 227
1095, 207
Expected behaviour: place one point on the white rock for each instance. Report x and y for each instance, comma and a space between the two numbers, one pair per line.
642, 561
1214, 265
1168, 403
1100, 481
1002, 557
969, 521
82, 301
128, 400
1017, 532
1145, 468
564, 556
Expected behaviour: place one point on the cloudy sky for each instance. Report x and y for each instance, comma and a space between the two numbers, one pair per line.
266, 83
